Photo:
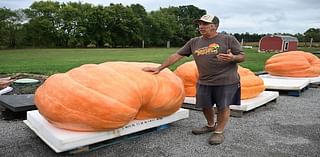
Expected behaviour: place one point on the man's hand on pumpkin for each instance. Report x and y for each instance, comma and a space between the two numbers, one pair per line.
154, 70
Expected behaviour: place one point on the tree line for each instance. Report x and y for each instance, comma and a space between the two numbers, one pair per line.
49, 24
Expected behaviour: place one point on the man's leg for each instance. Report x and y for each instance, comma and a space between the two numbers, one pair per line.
222, 118
204, 101
209, 115
224, 96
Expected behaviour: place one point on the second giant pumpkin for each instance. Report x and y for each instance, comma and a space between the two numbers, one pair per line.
251, 85
293, 64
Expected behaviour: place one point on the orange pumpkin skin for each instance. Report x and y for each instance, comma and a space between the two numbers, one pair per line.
293, 64
108, 96
188, 73
251, 85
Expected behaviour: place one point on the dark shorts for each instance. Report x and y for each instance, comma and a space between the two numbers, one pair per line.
221, 96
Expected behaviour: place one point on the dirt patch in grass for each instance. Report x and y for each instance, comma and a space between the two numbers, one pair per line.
25, 88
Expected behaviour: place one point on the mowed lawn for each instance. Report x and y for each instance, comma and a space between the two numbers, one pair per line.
50, 61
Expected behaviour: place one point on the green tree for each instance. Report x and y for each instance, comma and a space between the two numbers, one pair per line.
164, 26
51, 24
312, 33
141, 25
43, 23
186, 28
68, 19
124, 26
97, 25
179, 23
7, 27
82, 36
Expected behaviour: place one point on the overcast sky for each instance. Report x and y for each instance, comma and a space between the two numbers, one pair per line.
236, 16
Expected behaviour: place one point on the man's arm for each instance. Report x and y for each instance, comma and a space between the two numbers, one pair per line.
169, 61
239, 58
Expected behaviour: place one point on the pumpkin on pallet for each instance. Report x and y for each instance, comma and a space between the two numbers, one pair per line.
293, 64
108, 96
251, 85
189, 75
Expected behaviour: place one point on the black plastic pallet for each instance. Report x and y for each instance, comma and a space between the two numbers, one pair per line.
16, 106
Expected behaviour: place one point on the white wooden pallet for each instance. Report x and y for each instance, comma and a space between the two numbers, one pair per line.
248, 104
61, 140
284, 83
314, 80
6, 90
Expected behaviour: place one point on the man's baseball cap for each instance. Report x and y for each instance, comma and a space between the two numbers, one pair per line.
207, 19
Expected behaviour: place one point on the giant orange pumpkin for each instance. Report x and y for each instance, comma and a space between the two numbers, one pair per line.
108, 96
293, 64
188, 73
251, 85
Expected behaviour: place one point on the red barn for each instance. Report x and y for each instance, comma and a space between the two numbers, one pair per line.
278, 43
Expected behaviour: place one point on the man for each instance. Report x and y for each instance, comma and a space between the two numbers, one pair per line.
216, 56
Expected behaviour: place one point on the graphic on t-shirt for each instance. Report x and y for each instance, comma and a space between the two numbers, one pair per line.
211, 49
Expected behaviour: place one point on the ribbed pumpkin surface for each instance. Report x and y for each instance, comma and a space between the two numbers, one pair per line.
293, 64
251, 85
188, 72
108, 96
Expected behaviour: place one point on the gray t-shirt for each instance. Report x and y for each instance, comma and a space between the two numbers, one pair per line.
204, 51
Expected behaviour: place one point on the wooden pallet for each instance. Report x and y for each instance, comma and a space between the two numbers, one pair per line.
314, 81
240, 113
260, 73
61, 140
314, 85
103, 144
190, 106
246, 105
295, 93
233, 113
5, 90
289, 86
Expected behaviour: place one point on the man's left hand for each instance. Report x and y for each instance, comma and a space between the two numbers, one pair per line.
226, 57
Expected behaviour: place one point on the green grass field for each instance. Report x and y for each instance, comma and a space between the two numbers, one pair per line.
50, 61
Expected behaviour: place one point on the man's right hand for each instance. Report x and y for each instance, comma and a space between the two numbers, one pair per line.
154, 70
